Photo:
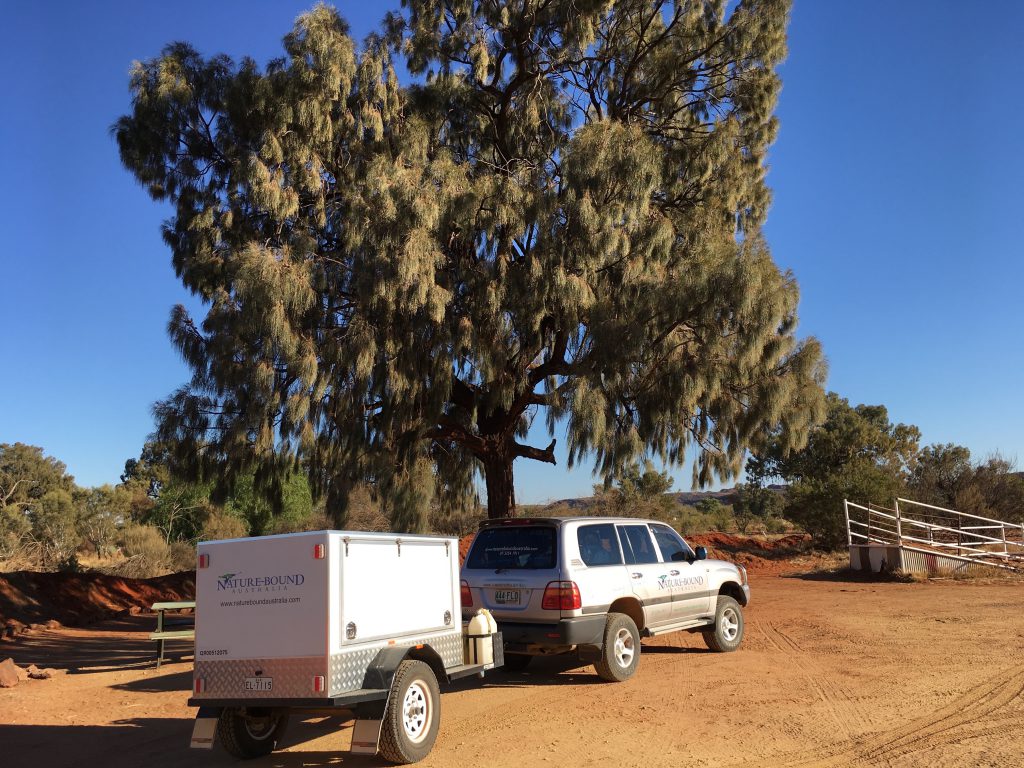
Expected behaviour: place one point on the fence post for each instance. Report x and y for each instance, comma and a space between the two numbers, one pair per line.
1002, 529
846, 514
899, 527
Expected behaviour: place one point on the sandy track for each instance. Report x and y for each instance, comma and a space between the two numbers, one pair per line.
831, 673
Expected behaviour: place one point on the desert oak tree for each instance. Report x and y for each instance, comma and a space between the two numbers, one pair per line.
557, 217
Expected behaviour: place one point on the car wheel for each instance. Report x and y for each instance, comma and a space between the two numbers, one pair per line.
620, 654
727, 633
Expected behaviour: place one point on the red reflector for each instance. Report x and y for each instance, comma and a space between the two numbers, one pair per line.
465, 596
319, 552
200, 685
204, 561
318, 683
561, 596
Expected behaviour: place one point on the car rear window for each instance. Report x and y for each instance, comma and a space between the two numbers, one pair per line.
525, 547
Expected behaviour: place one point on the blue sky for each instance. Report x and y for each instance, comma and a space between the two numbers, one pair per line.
897, 203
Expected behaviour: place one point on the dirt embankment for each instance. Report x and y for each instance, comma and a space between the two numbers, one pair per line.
78, 599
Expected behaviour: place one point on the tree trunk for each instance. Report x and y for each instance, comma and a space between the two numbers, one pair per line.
501, 492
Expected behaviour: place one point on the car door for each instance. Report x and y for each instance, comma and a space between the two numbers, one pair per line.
684, 575
644, 569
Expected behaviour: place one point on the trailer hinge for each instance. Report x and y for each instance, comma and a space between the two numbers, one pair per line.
447, 549
346, 540
399, 543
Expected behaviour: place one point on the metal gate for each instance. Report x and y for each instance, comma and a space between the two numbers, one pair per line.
920, 537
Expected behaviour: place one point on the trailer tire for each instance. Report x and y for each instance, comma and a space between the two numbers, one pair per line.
620, 653
727, 634
254, 733
413, 714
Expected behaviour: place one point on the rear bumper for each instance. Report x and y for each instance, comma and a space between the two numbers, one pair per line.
576, 630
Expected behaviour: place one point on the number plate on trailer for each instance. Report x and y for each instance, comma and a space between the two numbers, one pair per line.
506, 596
259, 683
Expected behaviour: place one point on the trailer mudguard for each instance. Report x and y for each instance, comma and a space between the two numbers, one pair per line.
205, 729
370, 715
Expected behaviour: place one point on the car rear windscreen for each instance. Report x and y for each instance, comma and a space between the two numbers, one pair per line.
518, 546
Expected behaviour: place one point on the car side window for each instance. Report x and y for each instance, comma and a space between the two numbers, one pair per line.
671, 544
598, 544
640, 547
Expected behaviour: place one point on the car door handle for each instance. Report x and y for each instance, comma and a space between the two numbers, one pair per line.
637, 575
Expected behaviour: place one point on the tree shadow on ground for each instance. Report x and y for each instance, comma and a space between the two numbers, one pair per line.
165, 742
117, 644
175, 681
564, 669
656, 649
851, 576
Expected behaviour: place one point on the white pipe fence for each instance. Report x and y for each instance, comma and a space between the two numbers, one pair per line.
941, 534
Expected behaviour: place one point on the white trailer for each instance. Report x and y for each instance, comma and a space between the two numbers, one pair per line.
367, 622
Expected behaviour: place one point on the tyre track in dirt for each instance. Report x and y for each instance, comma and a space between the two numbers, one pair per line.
840, 702
930, 731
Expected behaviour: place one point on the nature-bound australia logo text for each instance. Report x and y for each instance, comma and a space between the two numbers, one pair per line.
239, 584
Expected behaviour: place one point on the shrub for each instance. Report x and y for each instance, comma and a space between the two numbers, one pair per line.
223, 525
182, 557
146, 551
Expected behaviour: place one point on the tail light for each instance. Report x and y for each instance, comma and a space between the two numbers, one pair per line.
319, 552
561, 596
318, 683
204, 561
465, 596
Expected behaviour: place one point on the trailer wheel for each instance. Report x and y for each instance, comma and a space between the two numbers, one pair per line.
251, 733
413, 714
727, 634
620, 654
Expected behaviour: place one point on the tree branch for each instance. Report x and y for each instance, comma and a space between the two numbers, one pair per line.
546, 455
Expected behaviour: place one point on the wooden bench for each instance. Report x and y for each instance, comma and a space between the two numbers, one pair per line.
163, 634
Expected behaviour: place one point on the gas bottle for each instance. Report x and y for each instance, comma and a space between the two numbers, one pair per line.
479, 640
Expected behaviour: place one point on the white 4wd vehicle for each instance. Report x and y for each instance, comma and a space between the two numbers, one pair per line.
596, 585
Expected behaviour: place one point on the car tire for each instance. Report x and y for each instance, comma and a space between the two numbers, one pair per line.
413, 714
727, 633
253, 733
517, 662
620, 653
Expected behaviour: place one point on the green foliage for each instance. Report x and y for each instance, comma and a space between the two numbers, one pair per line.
708, 515
856, 454
639, 492
245, 502
561, 217
756, 504
180, 510
103, 511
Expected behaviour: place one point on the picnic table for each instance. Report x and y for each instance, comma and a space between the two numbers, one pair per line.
163, 634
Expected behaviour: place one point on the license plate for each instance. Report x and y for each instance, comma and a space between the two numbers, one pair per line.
259, 683
506, 596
